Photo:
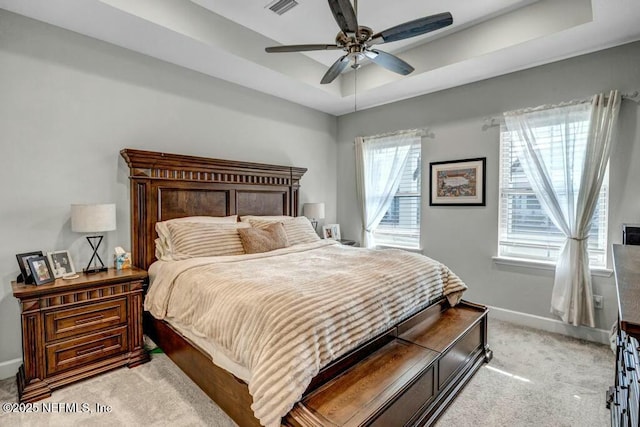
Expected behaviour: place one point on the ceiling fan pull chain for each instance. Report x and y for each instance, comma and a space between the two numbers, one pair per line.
355, 89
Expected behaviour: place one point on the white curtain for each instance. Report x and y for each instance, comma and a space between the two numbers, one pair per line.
379, 165
568, 187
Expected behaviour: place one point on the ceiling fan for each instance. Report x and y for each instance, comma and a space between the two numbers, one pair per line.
357, 40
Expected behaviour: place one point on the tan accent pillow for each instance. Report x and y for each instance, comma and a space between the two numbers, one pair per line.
299, 229
191, 239
258, 240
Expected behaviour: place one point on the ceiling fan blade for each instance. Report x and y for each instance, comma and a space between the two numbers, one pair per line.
301, 48
345, 15
335, 70
413, 28
388, 61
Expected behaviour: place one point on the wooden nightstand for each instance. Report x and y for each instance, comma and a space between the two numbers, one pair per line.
74, 329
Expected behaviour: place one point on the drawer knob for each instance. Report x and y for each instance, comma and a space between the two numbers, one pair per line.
89, 350
89, 319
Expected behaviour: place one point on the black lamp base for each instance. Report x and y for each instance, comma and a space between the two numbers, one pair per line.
94, 270
98, 266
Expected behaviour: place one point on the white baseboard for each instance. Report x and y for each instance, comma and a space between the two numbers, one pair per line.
550, 325
9, 368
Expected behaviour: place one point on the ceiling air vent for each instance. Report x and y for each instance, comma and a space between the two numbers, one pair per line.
282, 6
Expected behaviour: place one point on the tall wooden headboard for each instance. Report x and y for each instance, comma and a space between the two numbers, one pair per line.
166, 186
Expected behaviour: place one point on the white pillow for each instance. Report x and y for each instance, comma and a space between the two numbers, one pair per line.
298, 229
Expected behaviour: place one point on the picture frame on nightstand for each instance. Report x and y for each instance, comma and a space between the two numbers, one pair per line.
41, 270
331, 231
61, 264
25, 272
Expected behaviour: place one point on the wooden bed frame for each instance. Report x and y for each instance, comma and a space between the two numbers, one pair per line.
167, 186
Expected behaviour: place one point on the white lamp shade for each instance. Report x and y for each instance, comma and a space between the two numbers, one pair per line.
93, 218
314, 210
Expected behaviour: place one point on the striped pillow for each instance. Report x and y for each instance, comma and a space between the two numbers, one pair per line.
190, 239
163, 243
299, 229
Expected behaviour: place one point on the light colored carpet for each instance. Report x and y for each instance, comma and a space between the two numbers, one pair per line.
535, 379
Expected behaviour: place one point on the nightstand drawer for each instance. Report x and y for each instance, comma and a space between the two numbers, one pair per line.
79, 351
86, 318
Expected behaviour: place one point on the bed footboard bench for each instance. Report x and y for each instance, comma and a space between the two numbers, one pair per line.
410, 380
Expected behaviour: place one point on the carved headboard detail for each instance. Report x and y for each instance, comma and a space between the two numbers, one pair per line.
166, 186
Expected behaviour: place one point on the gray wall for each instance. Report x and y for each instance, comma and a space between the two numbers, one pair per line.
69, 104
465, 238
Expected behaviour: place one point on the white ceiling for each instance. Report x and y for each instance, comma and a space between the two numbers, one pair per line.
226, 39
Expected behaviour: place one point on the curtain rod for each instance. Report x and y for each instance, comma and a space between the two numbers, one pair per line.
423, 132
493, 121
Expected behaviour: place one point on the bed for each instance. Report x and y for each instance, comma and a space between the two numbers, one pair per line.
434, 343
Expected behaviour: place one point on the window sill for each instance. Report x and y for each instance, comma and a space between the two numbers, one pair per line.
404, 248
542, 265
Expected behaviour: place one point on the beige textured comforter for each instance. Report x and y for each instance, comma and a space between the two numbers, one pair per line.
286, 314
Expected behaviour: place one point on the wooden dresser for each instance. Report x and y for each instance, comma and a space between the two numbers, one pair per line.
74, 329
623, 399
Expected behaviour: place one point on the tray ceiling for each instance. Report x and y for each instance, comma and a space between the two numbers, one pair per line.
226, 39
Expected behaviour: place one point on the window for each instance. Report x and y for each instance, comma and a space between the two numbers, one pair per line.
525, 230
400, 226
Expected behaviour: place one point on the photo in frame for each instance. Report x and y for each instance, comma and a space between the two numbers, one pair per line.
61, 263
24, 266
41, 270
331, 231
458, 182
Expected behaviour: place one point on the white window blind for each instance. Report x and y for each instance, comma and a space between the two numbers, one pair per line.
525, 230
400, 226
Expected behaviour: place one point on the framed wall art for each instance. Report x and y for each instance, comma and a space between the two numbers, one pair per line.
458, 182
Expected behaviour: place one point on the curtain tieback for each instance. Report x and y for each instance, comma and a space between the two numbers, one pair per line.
579, 239
368, 230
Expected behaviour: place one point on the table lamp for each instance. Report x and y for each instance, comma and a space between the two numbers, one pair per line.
95, 218
314, 211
